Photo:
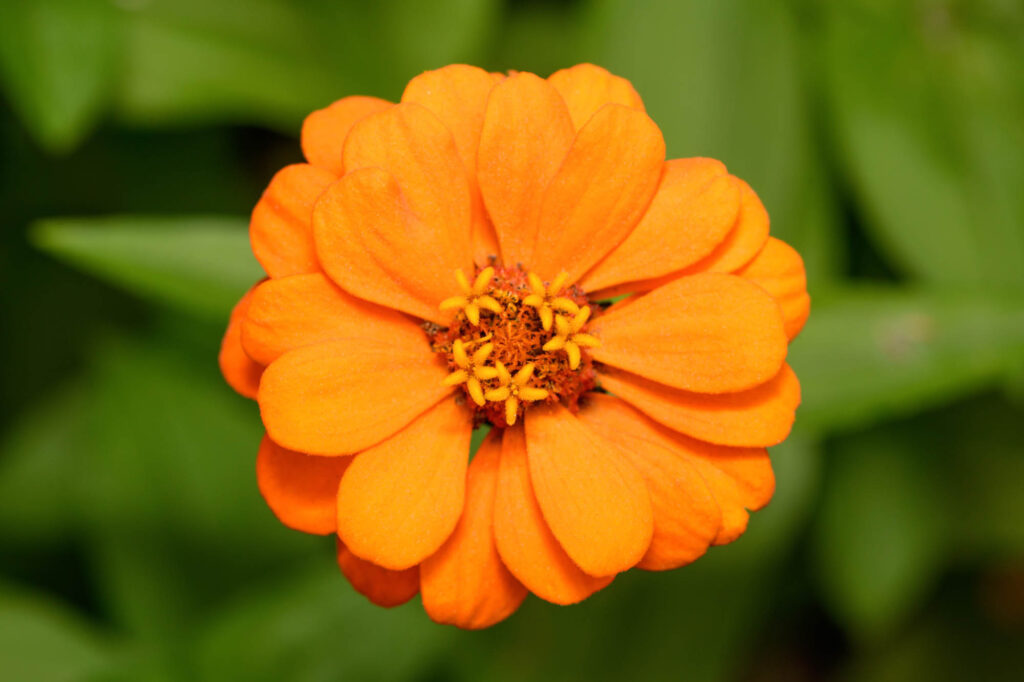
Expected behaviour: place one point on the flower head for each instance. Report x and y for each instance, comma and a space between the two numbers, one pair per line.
446, 263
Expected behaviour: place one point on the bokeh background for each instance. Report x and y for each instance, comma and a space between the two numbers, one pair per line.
886, 138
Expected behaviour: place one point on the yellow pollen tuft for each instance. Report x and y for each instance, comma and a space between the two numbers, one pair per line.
513, 389
474, 296
546, 299
569, 338
471, 370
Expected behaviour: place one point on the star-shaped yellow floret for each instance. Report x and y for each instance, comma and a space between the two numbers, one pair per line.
474, 296
546, 299
471, 370
512, 389
569, 338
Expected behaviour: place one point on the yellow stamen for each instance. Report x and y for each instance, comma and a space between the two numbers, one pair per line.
503, 376
532, 394
459, 354
476, 391
546, 316
511, 410
471, 370
559, 283
472, 311
513, 389
453, 303
460, 277
481, 353
524, 375
457, 377
489, 303
556, 343
546, 299
573, 351
580, 319
496, 394
485, 373
482, 280
569, 338
474, 296
565, 305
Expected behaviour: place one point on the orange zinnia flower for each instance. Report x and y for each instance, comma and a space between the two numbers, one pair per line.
447, 262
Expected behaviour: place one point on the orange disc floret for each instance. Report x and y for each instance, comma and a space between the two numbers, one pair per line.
485, 348
436, 266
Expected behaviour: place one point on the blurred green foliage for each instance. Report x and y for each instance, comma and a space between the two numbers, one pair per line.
885, 138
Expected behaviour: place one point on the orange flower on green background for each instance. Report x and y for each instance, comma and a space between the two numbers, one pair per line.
447, 262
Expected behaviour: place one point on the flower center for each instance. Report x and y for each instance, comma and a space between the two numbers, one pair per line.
515, 341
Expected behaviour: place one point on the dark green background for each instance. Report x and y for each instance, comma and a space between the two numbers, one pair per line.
885, 138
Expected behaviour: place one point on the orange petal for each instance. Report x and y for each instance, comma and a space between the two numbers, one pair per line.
380, 585
710, 333
759, 417
281, 228
324, 131
627, 288
401, 499
301, 489
304, 310
737, 479
594, 501
779, 270
526, 134
341, 397
465, 583
524, 541
599, 193
457, 94
586, 88
745, 239
239, 370
747, 236
686, 516
740, 480
375, 248
414, 146
694, 208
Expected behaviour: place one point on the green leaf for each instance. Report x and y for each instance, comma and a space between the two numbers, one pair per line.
57, 65
479, 434
539, 37
167, 493
42, 642
880, 537
928, 105
200, 264
874, 353
38, 469
314, 626
725, 80
430, 35
190, 61
986, 476
276, 61
951, 643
